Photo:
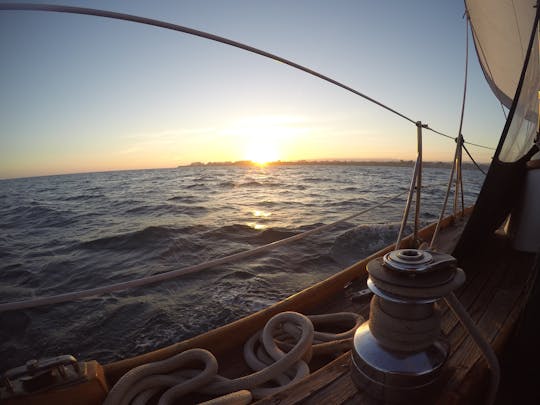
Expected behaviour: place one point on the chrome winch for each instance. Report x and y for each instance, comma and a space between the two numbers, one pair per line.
399, 353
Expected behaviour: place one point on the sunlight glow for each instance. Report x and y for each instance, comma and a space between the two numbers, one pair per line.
256, 225
262, 153
266, 138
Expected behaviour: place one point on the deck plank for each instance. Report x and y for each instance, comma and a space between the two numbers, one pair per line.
308, 386
337, 392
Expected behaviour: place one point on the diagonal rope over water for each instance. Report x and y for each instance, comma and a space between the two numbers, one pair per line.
71, 296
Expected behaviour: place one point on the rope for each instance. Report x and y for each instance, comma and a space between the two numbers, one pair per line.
438, 132
466, 75
454, 138
474, 161
121, 394
478, 145
268, 361
480, 341
398, 333
157, 278
459, 144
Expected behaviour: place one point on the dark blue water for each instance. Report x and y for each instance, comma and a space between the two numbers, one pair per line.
73, 232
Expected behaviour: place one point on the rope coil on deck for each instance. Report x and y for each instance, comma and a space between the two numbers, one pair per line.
269, 353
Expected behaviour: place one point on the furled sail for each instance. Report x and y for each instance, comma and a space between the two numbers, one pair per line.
502, 32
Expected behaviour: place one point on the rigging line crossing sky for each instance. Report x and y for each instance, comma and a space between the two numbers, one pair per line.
227, 41
187, 30
88, 95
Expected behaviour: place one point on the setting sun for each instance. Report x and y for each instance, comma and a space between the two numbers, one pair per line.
262, 153
266, 138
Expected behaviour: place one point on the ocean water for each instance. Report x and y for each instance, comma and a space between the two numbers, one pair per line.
73, 232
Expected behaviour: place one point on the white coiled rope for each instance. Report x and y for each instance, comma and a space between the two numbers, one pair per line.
269, 353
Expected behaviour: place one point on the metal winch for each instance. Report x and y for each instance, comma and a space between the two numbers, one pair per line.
399, 353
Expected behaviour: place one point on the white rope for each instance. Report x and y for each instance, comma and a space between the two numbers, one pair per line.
484, 346
263, 353
157, 278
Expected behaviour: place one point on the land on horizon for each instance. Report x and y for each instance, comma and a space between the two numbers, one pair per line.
392, 163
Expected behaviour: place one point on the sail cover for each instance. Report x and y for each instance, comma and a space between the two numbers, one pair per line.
502, 33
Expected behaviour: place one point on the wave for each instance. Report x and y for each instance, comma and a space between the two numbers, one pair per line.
147, 223
250, 184
254, 183
165, 209
273, 235
37, 216
227, 184
245, 233
145, 238
235, 232
362, 241
197, 186
187, 199
84, 197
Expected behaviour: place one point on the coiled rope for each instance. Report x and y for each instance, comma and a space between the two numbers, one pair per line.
263, 352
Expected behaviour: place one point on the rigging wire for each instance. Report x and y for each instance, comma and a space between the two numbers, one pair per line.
209, 36
466, 77
474, 161
456, 165
455, 138
191, 31
478, 145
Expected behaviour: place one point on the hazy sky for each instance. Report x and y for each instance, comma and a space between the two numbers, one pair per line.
81, 93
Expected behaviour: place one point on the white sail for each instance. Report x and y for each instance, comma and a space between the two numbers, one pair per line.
502, 31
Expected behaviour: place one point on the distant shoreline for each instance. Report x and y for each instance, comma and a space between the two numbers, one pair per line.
391, 163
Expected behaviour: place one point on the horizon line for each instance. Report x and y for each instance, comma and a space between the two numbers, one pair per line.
250, 163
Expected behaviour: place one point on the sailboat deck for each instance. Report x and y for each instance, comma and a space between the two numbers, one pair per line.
493, 295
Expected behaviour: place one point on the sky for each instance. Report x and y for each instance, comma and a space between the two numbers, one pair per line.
83, 94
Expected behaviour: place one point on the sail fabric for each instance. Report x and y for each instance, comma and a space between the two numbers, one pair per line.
502, 32
523, 128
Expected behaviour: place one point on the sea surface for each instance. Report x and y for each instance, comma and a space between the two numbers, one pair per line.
73, 232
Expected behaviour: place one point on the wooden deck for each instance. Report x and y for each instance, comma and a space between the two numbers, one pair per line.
494, 297
493, 294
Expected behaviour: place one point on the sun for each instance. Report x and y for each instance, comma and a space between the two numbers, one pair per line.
262, 153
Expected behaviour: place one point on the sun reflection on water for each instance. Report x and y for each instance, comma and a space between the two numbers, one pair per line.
261, 214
